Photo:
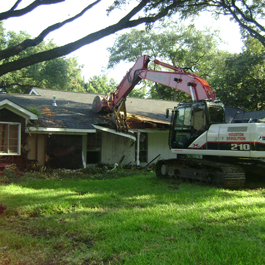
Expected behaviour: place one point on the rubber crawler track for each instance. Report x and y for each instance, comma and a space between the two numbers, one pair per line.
214, 173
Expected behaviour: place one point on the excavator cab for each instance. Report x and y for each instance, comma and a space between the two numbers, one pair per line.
190, 120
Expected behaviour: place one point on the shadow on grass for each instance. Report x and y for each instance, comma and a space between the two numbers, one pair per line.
35, 197
128, 214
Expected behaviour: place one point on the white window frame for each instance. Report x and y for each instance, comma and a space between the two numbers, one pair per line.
18, 140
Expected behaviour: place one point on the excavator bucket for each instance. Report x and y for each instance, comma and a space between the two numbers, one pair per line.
120, 116
97, 104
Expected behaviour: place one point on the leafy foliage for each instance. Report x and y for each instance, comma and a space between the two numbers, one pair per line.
59, 73
181, 46
103, 85
100, 85
242, 83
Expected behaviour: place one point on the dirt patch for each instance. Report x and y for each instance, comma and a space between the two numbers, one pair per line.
2, 208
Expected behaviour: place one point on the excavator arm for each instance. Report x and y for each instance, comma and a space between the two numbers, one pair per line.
181, 80
178, 79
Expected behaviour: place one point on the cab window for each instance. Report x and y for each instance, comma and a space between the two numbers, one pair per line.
216, 114
183, 119
182, 127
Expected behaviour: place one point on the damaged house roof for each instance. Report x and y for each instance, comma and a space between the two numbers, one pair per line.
73, 110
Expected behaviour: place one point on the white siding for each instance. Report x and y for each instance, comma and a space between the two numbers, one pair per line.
114, 147
158, 144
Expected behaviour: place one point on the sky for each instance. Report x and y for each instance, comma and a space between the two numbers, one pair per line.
94, 56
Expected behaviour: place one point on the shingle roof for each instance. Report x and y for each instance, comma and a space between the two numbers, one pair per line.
73, 109
237, 114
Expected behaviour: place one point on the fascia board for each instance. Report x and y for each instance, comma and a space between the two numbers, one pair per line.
114, 132
45, 130
17, 109
150, 130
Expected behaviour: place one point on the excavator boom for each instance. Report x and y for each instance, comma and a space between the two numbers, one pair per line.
179, 79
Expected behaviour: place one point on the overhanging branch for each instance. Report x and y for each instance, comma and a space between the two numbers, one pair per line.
15, 5
68, 48
253, 32
15, 50
160, 8
17, 13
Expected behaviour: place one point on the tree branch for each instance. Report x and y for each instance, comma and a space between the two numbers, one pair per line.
154, 10
66, 49
134, 11
34, 42
246, 18
15, 5
17, 13
254, 33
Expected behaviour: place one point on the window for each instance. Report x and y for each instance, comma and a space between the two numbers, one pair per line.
93, 148
182, 127
198, 119
217, 114
10, 138
183, 119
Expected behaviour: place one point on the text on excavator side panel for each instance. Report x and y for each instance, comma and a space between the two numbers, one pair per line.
157, 77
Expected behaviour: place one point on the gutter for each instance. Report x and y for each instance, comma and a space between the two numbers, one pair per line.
59, 130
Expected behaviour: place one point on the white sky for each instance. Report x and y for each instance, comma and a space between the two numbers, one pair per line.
94, 56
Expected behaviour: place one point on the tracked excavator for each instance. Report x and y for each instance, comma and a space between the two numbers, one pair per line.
207, 149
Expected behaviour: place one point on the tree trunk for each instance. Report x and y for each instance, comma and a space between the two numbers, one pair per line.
158, 92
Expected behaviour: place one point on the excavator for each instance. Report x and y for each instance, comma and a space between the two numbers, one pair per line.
207, 149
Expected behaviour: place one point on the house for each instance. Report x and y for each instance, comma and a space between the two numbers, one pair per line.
59, 129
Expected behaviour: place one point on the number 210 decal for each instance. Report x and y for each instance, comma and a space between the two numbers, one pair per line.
241, 147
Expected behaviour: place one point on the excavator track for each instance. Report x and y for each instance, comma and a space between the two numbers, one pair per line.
210, 172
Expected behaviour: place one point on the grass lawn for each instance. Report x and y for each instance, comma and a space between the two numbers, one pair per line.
136, 219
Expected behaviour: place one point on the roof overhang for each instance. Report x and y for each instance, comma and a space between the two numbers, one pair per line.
15, 108
114, 132
44, 130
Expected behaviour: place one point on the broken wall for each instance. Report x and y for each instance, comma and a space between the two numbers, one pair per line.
115, 147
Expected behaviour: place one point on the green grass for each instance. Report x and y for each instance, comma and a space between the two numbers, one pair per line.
129, 220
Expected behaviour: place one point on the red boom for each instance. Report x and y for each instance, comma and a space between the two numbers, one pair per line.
181, 80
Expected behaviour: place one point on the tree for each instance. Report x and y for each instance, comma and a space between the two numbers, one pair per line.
100, 85
59, 73
242, 82
178, 45
246, 14
2, 36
